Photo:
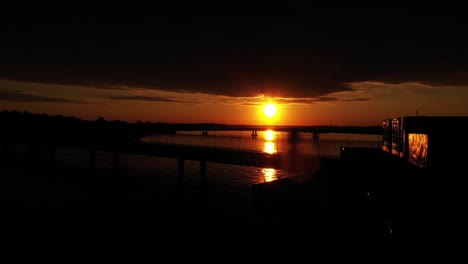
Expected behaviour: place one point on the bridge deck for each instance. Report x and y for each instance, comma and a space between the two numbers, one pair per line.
218, 155
191, 152
283, 128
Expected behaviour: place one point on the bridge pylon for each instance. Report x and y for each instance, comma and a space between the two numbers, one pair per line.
315, 135
254, 134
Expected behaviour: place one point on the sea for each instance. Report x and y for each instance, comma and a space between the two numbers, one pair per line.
235, 179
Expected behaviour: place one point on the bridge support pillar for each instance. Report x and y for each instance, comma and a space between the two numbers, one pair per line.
254, 134
180, 171
315, 135
203, 175
293, 137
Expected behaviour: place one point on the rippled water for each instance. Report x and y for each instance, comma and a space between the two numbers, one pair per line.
223, 177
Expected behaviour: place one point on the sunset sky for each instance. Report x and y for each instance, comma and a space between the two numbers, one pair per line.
221, 61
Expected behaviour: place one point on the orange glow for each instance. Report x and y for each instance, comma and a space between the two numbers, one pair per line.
269, 147
270, 110
269, 174
269, 135
418, 144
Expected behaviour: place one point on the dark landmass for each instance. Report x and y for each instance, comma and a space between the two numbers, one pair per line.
19, 125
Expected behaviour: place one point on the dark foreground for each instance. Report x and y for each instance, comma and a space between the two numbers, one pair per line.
51, 210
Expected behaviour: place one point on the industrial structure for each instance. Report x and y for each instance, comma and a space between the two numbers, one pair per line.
427, 141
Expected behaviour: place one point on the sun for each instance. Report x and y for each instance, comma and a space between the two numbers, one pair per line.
270, 110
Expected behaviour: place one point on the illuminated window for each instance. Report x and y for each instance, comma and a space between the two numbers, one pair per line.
418, 144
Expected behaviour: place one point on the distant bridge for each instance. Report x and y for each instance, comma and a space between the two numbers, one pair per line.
315, 130
282, 128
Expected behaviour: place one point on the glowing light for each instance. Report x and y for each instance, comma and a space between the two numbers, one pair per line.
418, 145
270, 110
269, 135
269, 147
269, 174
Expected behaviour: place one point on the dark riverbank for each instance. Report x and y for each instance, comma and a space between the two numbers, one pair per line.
51, 209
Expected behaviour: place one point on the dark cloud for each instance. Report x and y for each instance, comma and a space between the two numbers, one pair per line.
293, 49
18, 96
147, 98
327, 99
305, 100
308, 101
357, 100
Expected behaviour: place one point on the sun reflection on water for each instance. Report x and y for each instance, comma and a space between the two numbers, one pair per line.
269, 135
269, 174
269, 147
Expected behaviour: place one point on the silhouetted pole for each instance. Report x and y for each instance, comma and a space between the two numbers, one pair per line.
203, 174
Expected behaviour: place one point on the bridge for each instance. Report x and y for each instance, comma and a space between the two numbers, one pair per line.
119, 138
179, 152
314, 130
279, 128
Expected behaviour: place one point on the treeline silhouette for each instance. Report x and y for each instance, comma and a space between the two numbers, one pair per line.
34, 128
24, 126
